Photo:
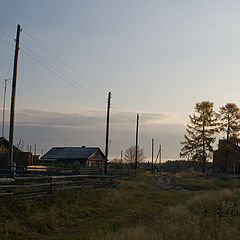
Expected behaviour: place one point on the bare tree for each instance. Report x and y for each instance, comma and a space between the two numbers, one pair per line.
130, 154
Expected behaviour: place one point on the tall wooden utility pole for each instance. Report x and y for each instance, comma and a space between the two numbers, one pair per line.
136, 150
14, 81
4, 104
35, 148
152, 153
160, 157
107, 133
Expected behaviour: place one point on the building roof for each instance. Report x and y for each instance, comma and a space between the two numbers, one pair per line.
3, 140
71, 153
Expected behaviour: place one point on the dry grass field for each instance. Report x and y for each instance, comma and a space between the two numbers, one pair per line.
204, 208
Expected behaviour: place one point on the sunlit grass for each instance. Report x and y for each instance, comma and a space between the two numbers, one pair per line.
138, 209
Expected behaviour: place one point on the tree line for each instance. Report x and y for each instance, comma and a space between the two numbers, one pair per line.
203, 127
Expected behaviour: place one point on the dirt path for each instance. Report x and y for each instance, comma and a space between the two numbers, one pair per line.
167, 182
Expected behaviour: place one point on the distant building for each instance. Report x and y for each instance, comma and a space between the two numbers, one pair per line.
22, 159
4, 145
226, 158
81, 156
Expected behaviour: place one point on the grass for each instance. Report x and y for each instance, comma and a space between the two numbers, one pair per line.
138, 209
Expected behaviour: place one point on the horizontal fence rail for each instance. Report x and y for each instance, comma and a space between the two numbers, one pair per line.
49, 171
36, 188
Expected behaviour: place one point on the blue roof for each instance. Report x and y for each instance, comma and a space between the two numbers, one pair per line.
71, 153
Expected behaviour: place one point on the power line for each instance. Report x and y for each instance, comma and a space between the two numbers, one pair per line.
7, 21
7, 35
60, 76
62, 62
53, 55
59, 60
62, 73
5, 41
55, 69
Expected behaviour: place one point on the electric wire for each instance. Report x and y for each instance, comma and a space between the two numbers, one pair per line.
62, 62
53, 70
7, 21
5, 41
53, 55
59, 60
7, 35
62, 73
67, 66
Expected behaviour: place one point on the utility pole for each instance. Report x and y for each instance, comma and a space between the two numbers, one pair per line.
12, 114
152, 152
35, 148
107, 133
4, 104
136, 156
121, 156
160, 157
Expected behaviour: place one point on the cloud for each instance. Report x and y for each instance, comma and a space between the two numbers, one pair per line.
87, 127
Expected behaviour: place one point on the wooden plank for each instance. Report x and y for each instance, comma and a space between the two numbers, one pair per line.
23, 186
6, 194
30, 198
6, 180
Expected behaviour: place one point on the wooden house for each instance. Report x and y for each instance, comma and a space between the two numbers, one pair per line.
22, 159
80, 156
226, 158
4, 146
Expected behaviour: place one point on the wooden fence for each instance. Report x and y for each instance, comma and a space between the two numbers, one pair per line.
36, 188
49, 171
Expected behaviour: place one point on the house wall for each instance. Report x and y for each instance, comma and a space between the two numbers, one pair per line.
3, 147
224, 162
20, 158
96, 160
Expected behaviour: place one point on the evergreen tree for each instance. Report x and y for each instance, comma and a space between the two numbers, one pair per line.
200, 134
230, 120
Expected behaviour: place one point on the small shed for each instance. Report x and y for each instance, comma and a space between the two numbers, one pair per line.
81, 156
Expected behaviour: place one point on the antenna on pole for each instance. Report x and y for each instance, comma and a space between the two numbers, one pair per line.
107, 133
12, 114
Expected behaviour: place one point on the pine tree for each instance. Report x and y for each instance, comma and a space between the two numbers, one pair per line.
230, 120
200, 134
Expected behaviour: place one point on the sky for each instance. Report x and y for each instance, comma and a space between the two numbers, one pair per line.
157, 57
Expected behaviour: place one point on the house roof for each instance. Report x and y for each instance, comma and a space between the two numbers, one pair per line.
3, 139
71, 153
6, 142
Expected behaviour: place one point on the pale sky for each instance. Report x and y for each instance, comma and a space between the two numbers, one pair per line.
158, 58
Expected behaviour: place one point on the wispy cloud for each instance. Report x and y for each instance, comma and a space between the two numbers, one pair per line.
87, 127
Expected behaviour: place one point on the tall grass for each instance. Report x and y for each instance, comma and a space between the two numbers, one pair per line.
210, 215
138, 209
